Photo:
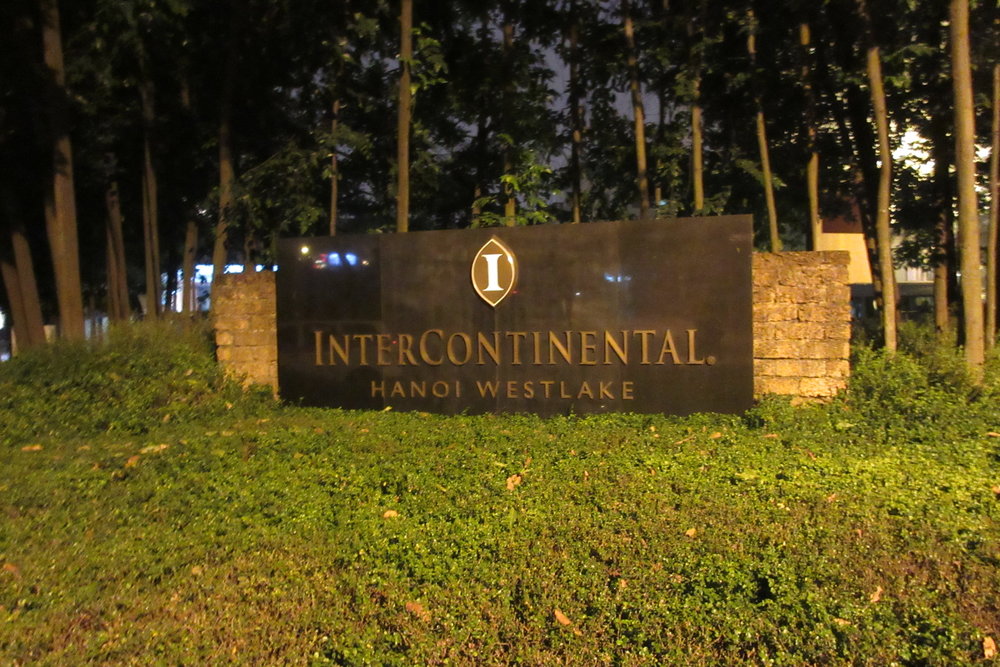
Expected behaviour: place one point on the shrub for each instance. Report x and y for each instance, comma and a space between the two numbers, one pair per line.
140, 375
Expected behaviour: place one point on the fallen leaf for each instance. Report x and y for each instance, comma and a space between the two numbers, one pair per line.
691, 532
31, 448
989, 648
83, 448
152, 449
417, 610
586, 475
132, 462
993, 434
996, 491
13, 569
390, 514
841, 621
297, 455
877, 595
772, 435
564, 620
830, 498
197, 570
527, 462
513, 481
227, 434
715, 436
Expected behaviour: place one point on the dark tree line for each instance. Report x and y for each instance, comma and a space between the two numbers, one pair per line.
138, 136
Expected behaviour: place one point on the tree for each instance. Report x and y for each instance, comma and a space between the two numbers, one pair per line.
404, 117
765, 160
60, 204
968, 209
993, 242
638, 112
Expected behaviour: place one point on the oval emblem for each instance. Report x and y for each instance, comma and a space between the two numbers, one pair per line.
494, 271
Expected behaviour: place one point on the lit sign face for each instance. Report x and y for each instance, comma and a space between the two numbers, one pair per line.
494, 272
624, 316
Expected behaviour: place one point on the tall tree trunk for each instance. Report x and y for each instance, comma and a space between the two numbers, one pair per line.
883, 231
576, 117
943, 256
404, 117
227, 169
510, 201
334, 167
18, 273
993, 242
696, 28
812, 167
117, 274
765, 158
189, 303
150, 204
61, 202
638, 111
965, 166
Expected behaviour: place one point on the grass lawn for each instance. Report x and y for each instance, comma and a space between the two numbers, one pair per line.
190, 524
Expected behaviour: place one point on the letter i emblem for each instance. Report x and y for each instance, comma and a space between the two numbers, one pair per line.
494, 271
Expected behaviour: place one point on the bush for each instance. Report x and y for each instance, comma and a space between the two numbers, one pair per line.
141, 375
925, 384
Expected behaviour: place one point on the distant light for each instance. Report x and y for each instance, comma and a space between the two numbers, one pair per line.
333, 259
304, 250
351, 258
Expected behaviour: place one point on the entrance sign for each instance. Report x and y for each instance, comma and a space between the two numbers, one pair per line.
648, 316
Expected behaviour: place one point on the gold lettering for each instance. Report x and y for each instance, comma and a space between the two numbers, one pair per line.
485, 346
627, 390
440, 389
422, 347
336, 350
397, 390
512, 389
547, 384
378, 389
585, 391
516, 338
318, 337
588, 348
406, 351
645, 335
562, 391
564, 350
452, 356
383, 349
537, 338
529, 389
692, 355
668, 348
363, 340
611, 345
490, 387
605, 391
418, 388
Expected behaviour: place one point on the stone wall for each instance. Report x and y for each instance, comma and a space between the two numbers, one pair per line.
246, 331
801, 324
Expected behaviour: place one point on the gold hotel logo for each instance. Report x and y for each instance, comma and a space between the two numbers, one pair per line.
494, 272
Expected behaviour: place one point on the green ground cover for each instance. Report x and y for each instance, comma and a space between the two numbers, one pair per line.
151, 512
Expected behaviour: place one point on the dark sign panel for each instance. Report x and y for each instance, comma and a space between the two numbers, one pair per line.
600, 317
